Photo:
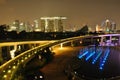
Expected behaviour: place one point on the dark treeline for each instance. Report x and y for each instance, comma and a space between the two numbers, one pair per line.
23, 35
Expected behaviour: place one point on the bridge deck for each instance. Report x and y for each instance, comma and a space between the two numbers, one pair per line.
54, 70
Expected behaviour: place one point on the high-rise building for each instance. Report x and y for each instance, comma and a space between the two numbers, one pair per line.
109, 26
37, 25
98, 28
113, 27
22, 27
52, 24
16, 23
15, 26
28, 27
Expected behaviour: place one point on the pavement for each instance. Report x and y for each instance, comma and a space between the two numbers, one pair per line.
55, 69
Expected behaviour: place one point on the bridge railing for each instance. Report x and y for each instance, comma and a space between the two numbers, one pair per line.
8, 69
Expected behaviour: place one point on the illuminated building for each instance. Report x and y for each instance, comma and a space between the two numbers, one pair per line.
98, 28
36, 25
52, 24
16, 23
29, 27
15, 26
22, 27
109, 26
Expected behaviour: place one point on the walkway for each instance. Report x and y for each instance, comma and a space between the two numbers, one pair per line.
54, 70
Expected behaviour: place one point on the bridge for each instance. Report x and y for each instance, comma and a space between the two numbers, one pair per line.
8, 69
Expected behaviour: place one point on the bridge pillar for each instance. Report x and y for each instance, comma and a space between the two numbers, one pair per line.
72, 43
101, 42
119, 41
1, 58
15, 47
110, 40
6, 52
61, 45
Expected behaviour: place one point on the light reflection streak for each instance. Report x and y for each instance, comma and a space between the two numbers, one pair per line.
91, 52
83, 54
104, 59
96, 58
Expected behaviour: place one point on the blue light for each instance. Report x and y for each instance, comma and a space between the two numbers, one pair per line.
101, 68
104, 59
96, 58
95, 54
88, 57
83, 54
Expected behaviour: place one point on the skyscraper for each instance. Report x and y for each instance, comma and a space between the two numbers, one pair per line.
109, 26
15, 26
52, 24
37, 25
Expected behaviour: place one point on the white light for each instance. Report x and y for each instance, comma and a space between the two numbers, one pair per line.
107, 20
41, 77
80, 42
40, 57
35, 77
12, 53
61, 45
9, 71
22, 60
5, 76
3, 70
14, 67
21, 23
35, 52
25, 57
29, 55
9, 66
52, 18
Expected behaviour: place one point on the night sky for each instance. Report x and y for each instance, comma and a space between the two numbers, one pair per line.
78, 12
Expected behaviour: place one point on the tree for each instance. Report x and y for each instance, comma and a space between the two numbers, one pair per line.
83, 30
2, 32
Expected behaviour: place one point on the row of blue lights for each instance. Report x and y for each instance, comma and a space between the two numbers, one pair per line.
91, 52
84, 52
104, 58
96, 58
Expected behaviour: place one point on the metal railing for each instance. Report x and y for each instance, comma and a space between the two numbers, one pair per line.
8, 69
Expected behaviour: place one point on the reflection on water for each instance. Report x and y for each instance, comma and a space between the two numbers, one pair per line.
95, 54
98, 62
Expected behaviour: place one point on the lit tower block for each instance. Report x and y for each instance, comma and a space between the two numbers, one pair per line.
52, 24
107, 25
36, 25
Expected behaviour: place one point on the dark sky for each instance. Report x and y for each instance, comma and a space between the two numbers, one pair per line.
78, 12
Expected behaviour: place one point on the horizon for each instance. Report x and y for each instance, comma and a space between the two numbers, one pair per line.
78, 13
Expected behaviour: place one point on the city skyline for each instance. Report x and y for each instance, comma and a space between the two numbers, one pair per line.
79, 12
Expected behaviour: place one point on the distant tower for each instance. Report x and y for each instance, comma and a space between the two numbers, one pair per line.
28, 27
52, 24
22, 27
109, 26
16, 23
15, 26
113, 27
36, 25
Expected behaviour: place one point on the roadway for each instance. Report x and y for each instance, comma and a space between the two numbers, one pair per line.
63, 56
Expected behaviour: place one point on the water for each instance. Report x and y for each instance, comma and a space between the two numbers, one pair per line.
98, 62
